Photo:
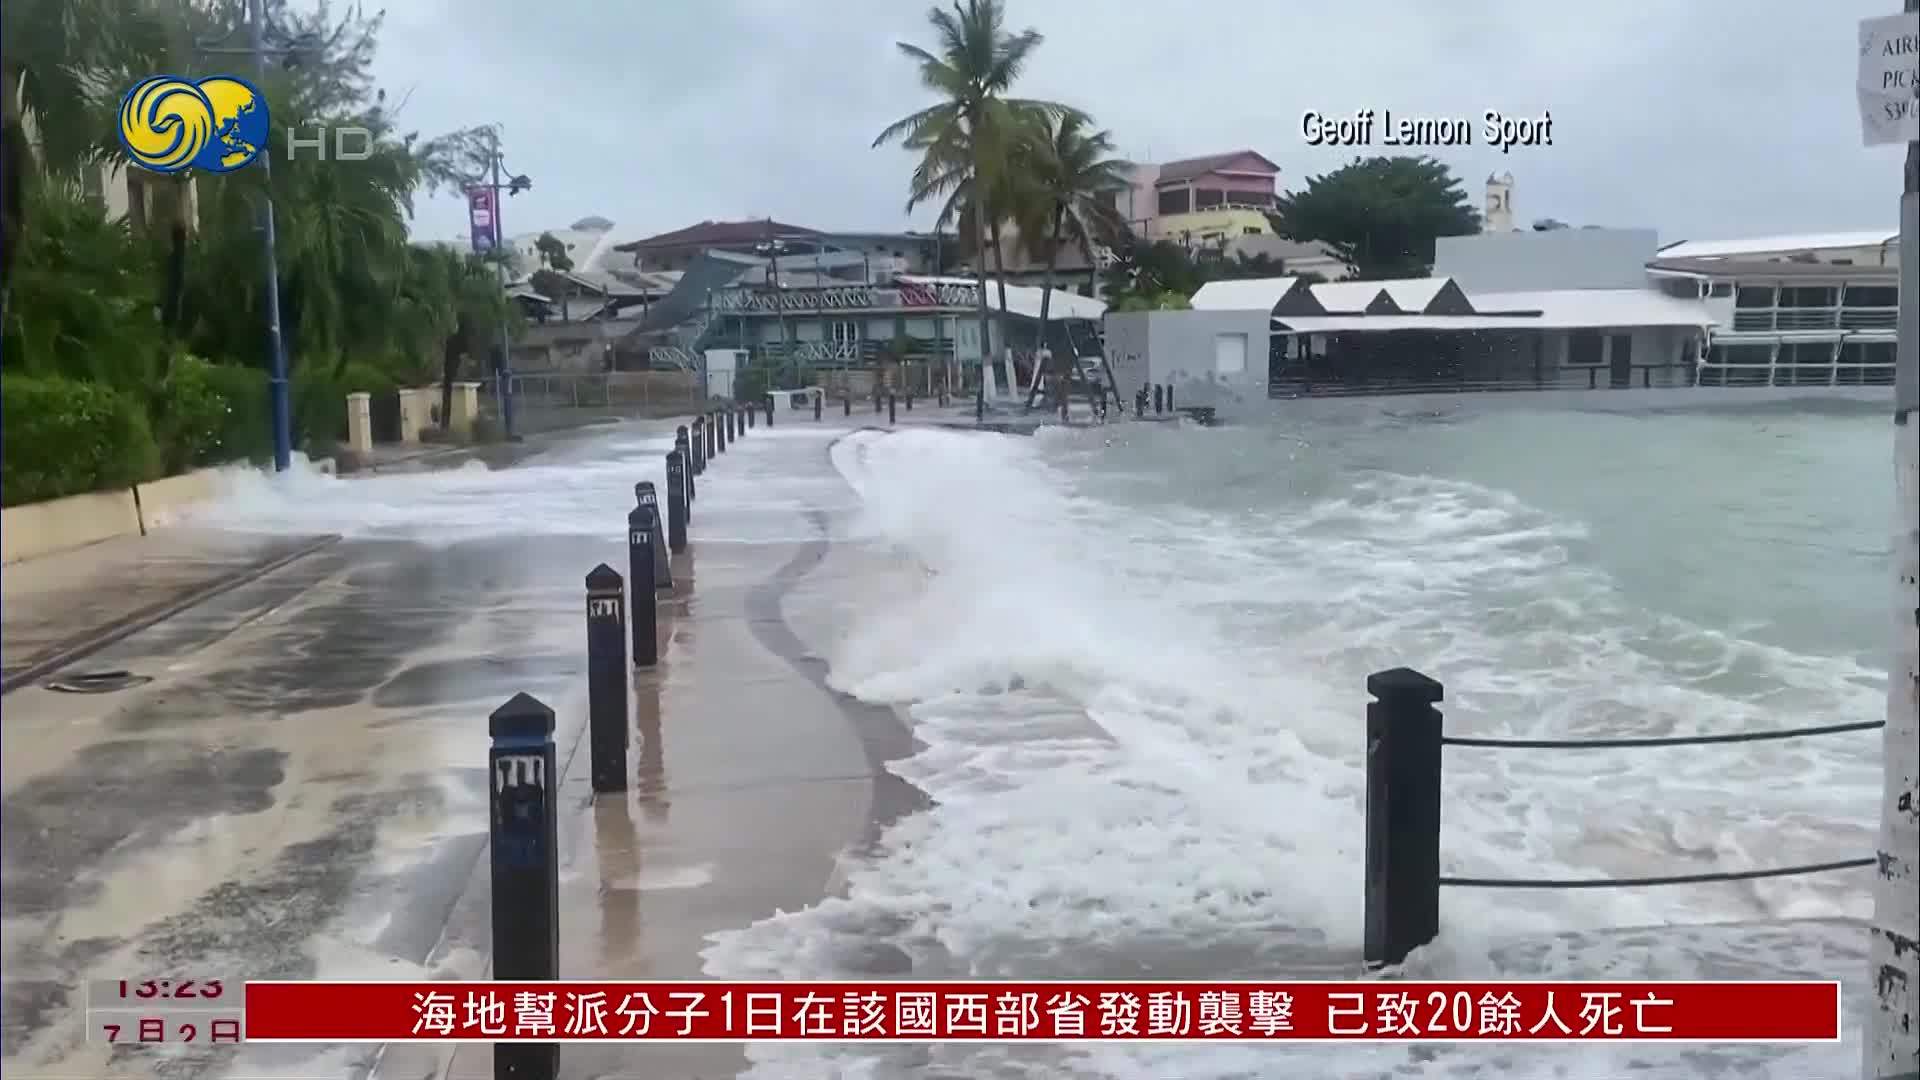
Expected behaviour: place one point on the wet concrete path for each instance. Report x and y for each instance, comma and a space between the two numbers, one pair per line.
299, 792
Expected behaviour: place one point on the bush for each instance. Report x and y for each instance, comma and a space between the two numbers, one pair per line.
320, 402
64, 437
212, 414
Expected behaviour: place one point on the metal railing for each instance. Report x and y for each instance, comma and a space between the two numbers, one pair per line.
1405, 740
1640, 376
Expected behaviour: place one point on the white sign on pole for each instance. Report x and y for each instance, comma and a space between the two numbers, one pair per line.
1889, 77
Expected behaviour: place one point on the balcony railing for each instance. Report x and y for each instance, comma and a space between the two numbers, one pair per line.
1869, 318
908, 295
850, 353
1787, 319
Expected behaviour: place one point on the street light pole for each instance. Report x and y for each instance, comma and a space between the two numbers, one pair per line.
1891, 1046
505, 375
276, 345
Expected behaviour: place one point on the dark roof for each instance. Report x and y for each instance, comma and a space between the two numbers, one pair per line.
718, 234
1189, 168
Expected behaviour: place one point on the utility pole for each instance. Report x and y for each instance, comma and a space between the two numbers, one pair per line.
1892, 1042
505, 377
279, 397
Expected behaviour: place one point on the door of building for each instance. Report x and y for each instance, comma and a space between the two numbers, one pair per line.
1620, 361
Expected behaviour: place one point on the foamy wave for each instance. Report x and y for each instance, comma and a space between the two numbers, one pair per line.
1143, 735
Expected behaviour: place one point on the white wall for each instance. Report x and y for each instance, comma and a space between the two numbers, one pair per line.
1126, 346
1557, 259
1178, 347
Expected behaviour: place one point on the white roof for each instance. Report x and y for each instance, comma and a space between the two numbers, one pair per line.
1024, 300
1248, 294
1598, 307
1559, 309
1346, 295
1414, 294
1768, 245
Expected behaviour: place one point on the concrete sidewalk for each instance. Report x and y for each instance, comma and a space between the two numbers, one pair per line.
60, 607
749, 780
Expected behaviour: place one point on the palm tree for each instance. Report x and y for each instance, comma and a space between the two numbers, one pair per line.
60, 62
1074, 176
962, 140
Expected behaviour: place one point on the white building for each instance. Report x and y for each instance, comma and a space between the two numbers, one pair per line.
1813, 310
1278, 337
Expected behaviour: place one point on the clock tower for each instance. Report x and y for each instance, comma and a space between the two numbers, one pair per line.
1498, 216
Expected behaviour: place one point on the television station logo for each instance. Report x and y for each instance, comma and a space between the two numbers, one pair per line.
218, 124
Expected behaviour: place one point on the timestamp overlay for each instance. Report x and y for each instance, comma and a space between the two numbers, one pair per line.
177, 1010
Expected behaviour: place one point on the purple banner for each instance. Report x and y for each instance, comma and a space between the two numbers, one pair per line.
480, 217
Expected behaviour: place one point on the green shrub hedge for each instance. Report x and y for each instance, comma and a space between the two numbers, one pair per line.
63, 437
211, 414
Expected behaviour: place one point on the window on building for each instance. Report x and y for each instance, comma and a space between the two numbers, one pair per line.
1208, 198
1584, 348
1753, 296
1880, 296
1251, 231
1720, 290
1176, 201
845, 330
1760, 355
1815, 296
93, 186
1259, 200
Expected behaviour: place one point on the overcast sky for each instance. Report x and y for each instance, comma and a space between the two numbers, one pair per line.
1701, 118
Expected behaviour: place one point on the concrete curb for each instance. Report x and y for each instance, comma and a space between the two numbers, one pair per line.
81, 646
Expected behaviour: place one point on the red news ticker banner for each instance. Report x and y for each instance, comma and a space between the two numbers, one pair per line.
338, 1012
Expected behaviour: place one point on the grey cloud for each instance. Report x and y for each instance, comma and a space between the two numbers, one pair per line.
1702, 119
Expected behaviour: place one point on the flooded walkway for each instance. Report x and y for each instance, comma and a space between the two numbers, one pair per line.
299, 791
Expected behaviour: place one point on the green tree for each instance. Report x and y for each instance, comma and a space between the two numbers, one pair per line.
58, 59
1380, 214
965, 140
1070, 175
553, 253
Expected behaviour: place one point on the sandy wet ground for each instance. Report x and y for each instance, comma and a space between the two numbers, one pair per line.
299, 792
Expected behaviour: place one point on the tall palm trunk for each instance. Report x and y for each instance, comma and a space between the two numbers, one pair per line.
1046, 303
980, 288
1000, 324
450, 352
15, 155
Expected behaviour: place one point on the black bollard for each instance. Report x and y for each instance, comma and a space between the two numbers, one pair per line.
816, 405
646, 498
711, 437
720, 430
1159, 400
525, 867
607, 678
683, 446
699, 447
891, 411
1169, 397
733, 423
640, 609
769, 410
1402, 909
876, 403
846, 404
676, 500
909, 401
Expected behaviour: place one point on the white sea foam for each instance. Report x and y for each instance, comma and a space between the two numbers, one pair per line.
1142, 731
570, 490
